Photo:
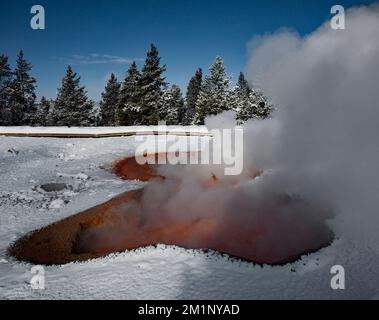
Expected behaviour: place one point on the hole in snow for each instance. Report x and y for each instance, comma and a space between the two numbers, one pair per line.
53, 187
216, 215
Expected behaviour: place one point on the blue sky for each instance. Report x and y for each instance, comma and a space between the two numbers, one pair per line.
100, 37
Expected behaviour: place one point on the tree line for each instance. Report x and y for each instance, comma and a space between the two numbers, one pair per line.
142, 98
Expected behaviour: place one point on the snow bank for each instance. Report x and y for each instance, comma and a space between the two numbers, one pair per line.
100, 131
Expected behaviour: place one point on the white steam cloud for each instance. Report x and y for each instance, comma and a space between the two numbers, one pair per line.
322, 142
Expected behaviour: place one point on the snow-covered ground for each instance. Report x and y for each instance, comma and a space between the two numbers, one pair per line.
150, 273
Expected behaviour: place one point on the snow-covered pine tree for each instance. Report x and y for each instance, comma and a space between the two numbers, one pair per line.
172, 106
128, 108
109, 102
192, 95
43, 113
241, 98
214, 92
243, 87
257, 107
239, 95
234, 100
72, 106
151, 84
263, 106
23, 95
5, 91
247, 110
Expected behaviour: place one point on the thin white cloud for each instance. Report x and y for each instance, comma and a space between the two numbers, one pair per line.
96, 58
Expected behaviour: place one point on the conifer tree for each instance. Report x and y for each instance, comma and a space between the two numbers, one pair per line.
240, 97
72, 106
213, 97
43, 113
23, 95
5, 91
151, 85
192, 95
109, 102
257, 107
128, 108
263, 106
243, 87
172, 106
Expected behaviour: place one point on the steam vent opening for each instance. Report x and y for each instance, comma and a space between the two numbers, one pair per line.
272, 229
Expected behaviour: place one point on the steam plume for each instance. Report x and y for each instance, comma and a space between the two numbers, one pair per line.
323, 141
